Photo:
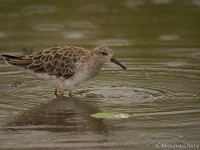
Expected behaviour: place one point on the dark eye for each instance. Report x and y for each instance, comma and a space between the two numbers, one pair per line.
104, 53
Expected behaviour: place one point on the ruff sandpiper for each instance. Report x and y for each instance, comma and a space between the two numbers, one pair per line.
64, 66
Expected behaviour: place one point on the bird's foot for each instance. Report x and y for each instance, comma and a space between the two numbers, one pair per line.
61, 95
56, 92
57, 95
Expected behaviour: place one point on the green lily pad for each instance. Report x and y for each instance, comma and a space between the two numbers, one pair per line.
110, 116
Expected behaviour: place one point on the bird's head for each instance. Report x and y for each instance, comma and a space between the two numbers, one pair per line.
105, 54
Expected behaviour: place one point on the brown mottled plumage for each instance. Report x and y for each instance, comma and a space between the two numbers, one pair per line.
64, 66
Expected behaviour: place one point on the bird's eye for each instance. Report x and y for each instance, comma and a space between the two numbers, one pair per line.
104, 53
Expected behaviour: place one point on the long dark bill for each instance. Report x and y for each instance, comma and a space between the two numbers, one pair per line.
117, 62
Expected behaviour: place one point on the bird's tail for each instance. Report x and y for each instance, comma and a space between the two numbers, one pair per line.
20, 61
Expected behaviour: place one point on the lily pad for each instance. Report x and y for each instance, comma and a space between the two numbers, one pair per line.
110, 116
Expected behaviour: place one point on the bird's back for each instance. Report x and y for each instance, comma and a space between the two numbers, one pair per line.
56, 61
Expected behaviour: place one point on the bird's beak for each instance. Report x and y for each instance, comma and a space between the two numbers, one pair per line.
117, 62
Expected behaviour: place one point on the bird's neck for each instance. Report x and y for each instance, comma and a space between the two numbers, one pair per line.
94, 67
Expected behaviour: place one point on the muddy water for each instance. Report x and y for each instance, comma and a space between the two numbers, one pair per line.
158, 42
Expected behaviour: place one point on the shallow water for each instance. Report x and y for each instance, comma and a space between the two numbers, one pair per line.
158, 42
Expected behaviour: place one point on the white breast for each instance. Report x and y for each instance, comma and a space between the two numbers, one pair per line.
75, 80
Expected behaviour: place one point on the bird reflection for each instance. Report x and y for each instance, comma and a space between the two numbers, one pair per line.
69, 115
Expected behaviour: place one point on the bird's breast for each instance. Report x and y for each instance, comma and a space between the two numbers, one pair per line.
94, 69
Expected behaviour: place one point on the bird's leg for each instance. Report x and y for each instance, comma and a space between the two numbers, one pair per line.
62, 93
56, 92
70, 93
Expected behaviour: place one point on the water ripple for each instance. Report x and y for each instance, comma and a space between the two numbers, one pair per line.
115, 42
160, 95
48, 27
38, 9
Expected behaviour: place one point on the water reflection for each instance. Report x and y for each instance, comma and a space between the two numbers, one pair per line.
68, 115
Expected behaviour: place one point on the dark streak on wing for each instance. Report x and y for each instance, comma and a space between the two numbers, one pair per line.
20, 61
57, 61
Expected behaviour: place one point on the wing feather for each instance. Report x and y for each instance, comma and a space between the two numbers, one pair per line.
57, 61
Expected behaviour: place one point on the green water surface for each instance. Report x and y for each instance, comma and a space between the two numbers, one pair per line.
157, 40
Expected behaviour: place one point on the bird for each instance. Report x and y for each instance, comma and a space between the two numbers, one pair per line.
65, 67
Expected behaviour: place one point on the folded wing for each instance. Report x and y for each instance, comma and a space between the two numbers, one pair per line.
56, 61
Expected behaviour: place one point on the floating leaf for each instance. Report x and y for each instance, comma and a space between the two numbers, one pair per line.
110, 116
